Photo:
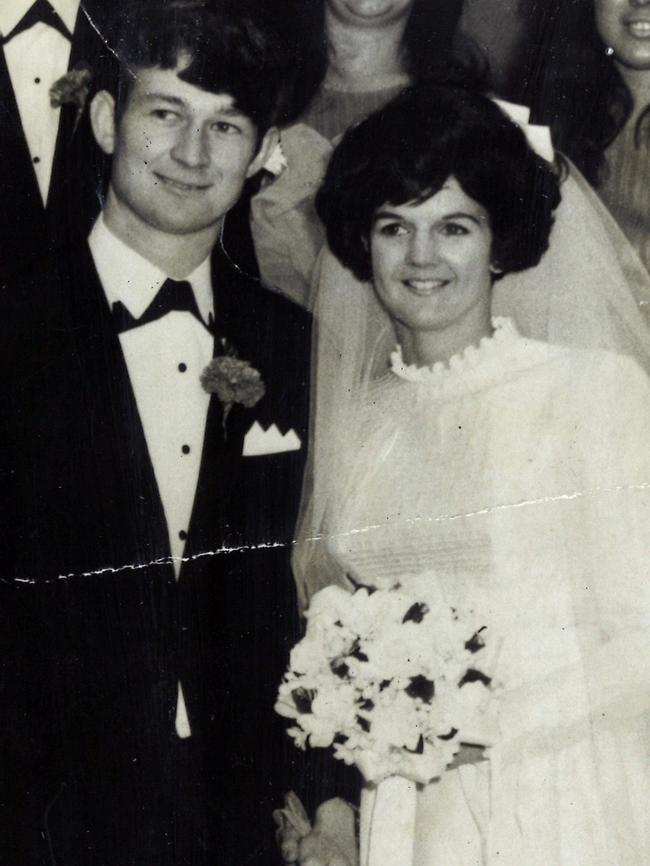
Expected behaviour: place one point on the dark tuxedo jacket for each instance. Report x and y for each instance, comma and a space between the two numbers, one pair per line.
27, 228
96, 630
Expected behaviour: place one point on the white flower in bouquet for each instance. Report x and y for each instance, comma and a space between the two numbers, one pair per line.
334, 709
330, 620
397, 719
399, 651
308, 655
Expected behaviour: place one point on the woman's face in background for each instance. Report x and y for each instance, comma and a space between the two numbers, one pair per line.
624, 26
369, 13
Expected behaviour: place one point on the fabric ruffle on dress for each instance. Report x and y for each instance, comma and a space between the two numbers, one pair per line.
472, 368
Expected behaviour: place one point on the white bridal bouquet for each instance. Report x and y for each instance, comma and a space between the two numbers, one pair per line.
390, 680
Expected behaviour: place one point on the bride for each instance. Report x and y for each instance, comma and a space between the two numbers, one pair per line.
516, 472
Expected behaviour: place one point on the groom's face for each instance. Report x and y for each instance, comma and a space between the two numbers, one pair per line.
180, 154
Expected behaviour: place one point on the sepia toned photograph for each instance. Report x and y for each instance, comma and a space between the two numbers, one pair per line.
325, 432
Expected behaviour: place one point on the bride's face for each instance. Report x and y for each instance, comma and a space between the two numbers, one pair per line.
624, 26
431, 260
368, 13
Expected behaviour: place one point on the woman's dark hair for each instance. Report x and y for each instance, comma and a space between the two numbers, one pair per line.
571, 83
428, 39
407, 150
233, 46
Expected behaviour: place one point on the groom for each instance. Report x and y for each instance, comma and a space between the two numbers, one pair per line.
148, 506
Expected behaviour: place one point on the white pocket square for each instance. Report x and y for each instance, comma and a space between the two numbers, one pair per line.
260, 441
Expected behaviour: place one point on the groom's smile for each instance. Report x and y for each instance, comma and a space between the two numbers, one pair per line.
181, 186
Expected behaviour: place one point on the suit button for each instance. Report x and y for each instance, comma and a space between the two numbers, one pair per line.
182, 367
185, 449
36, 160
182, 535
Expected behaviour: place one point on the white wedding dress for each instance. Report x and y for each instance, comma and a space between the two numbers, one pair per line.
518, 476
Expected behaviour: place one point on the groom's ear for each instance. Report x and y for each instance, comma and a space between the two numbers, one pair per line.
269, 142
102, 120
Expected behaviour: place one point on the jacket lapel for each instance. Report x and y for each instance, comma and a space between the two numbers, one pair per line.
80, 54
75, 196
244, 316
210, 527
108, 399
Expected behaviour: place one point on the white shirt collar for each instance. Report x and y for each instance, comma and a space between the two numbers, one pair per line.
128, 277
12, 12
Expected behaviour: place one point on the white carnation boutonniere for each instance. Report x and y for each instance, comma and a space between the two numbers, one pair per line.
72, 88
233, 380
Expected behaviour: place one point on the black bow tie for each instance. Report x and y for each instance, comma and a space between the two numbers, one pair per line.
39, 12
172, 296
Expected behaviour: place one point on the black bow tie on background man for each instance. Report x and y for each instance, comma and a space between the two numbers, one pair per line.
172, 296
40, 12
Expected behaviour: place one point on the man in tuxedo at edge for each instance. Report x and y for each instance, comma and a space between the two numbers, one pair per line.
147, 605
50, 174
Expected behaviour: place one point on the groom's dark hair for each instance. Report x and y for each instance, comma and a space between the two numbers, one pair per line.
406, 151
226, 47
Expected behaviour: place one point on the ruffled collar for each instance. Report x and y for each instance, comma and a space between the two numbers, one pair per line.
480, 359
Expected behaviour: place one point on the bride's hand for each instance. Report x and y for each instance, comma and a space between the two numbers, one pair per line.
331, 842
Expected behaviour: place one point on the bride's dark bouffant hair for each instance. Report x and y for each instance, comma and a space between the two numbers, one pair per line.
571, 83
430, 33
406, 151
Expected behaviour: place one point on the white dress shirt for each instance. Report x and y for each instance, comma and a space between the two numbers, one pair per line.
164, 359
36, 58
